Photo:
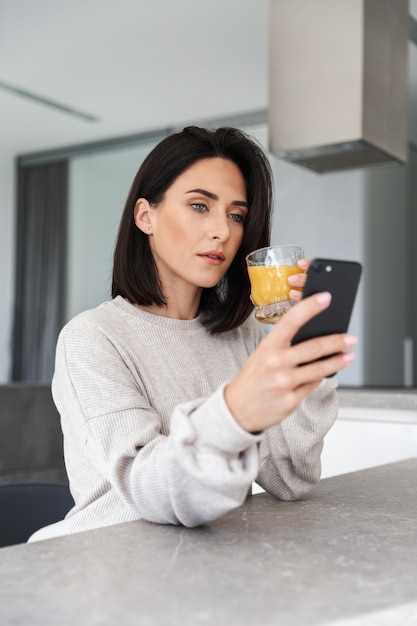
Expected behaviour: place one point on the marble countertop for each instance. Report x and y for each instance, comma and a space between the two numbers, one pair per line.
345, 555
389, 398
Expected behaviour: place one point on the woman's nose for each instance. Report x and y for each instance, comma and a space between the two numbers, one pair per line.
219, 228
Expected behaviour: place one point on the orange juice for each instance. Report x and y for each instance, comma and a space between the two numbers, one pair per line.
269, 283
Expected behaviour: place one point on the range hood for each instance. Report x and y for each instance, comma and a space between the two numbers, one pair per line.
339, 82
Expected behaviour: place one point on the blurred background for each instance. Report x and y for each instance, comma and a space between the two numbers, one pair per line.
87, 88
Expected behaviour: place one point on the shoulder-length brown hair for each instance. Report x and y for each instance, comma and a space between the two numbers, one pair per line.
135, 277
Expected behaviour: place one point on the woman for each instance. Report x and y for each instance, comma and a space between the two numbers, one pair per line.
171, 400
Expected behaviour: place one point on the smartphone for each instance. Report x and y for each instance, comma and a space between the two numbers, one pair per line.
341, 279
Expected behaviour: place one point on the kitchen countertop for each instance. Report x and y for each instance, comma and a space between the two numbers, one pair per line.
395, 398
345, 555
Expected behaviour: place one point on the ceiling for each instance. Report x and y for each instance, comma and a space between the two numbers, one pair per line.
87, 70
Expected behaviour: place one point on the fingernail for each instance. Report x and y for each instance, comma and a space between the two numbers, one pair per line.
294, 293
303, 263
293, 280
348, 357
324, 297
350, 340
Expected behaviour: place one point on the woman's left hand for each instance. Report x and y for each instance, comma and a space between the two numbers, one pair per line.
297, 281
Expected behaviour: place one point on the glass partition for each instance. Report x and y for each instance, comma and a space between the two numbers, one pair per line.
98, 187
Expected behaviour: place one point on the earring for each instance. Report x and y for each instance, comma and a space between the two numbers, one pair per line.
148, 227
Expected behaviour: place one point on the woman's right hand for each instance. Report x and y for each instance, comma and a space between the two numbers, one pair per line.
278, 376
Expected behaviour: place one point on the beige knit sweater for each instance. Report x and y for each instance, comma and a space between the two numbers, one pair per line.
147, 433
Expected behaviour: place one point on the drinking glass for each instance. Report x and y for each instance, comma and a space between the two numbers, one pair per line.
269, 269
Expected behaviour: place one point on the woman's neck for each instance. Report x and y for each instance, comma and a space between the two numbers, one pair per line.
180, 306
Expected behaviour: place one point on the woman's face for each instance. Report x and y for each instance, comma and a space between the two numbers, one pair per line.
196, 231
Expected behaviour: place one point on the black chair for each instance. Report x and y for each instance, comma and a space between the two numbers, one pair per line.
27, 507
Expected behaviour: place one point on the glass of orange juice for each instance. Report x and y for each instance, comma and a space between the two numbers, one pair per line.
269, 269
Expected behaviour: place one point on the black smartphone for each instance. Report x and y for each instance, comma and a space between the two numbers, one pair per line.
341, 279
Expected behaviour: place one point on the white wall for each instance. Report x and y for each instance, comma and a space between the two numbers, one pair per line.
363, 215
323, 214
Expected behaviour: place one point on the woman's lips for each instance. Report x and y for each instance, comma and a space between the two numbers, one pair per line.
213, 257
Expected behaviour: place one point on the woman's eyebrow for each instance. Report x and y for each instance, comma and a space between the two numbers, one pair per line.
213, 196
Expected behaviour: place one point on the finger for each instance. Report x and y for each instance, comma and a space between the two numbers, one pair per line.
320, 348
324, 368
297, 280
304, 264
298, 315
295, 295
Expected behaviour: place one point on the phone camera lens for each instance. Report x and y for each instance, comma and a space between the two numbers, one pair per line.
316, 266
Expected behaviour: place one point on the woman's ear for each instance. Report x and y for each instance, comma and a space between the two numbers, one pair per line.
142, 216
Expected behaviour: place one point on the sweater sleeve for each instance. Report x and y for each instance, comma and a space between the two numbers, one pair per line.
202, 470
290, 453
197, 472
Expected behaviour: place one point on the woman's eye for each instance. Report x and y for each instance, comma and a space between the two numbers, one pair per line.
236, 217
199, 207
